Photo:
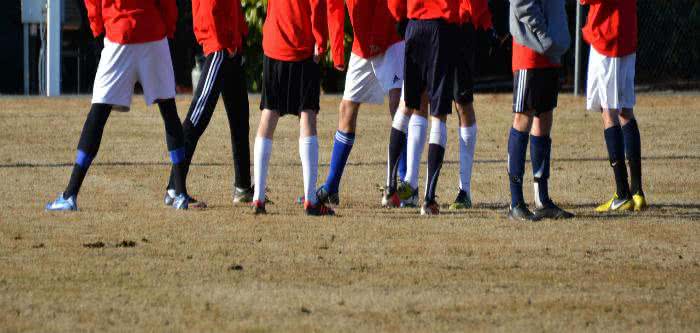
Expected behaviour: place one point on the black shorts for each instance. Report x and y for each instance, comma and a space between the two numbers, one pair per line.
535, 90
429, 66
464, 66
290, 87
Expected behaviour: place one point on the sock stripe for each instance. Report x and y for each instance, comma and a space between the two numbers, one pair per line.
83, 159
177, 156
345, 138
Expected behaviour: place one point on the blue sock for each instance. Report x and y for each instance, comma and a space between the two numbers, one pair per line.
402, 163
341, 150
540, 152
517, 148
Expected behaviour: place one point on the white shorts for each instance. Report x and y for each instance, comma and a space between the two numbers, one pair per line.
121, 66
610, 82
369, 80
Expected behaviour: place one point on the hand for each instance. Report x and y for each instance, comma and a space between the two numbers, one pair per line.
317, 56
401, 28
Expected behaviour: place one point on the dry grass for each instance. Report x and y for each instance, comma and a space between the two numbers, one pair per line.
368, 269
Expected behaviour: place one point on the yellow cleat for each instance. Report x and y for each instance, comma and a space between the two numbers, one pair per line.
616, 205
640, 203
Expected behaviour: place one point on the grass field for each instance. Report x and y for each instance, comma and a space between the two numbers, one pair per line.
126, 262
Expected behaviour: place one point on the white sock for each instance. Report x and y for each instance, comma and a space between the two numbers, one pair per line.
417, 130
438, 133
467, 145
400, 121
261, 156
308, 152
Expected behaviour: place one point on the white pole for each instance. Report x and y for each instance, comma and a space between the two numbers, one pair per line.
577, 50
53, 54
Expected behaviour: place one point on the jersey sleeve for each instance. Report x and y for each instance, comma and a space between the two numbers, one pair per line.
319, 24
336, 27
94, 14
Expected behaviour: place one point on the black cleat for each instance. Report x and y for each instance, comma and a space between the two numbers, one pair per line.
551, 211
521, 213
258, 207
327, 198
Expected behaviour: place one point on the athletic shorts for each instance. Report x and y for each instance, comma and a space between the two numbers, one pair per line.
290, 87
122, 65
430, 62
369, 80
464, 66
535, 89
610, 82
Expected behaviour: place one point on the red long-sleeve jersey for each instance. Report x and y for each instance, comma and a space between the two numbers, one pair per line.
374, 28
293, 28
132, 21
611, 27
219, 25
447, 10
477, 13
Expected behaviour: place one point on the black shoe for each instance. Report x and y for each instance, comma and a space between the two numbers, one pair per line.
521, 213
327, 198
551, 211
258, 207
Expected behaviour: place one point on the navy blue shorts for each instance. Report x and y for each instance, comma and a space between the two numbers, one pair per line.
430, 64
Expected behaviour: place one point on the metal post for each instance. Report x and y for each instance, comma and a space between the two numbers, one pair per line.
53, 54
26, 58
577, 50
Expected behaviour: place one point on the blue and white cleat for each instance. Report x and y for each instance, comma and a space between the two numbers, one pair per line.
61, 204
169, 197
181, 202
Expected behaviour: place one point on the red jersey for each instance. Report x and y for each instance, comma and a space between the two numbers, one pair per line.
374, 28
293, 28
611, 27
132, 21
525, 58
219, 25
477, 13
447, 10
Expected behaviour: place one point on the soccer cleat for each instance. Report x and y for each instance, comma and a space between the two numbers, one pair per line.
181, 201
63, 204
430, 208
327, 198
318, 209
407, 194
551, 211
390, 199
169, 197
169, 200
640, 203
616, 204
243, 195
258, 207
463, 201
521, 213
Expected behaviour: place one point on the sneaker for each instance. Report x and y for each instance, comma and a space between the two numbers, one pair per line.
463, 201
430, 208
243, 195
640, 203
258, 207
521, 213
327, 198
551, 211
181, 201
390, 199
63, 204
408, 195
169, 200
318, 209
616, 204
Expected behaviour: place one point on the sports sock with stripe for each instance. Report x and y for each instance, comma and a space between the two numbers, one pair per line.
342, 146
467, 145
436, 155
88, 146
540, 155
517, 149
262, 149
308, 152
417, 131
175, 140
397, 147
614, 140
633, 150
402, 160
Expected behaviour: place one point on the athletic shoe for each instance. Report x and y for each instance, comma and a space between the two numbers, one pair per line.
318, 209
258, 207
169, 200
181, 202
243, 195
430, 208
327, 198
640, 203
616, 204
463, 201
61, 204
551, 211
521, 213
390, 199
407, 194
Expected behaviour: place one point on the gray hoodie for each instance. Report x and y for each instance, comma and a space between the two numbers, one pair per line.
541, 25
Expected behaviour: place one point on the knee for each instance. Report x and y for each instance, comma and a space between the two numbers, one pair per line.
522, 121
626, 115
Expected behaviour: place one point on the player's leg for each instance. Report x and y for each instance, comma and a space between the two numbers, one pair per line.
262, 150
467, 146
436, 155
342, 146
630, 131
397, 147
394, 103
308, 153
175, 142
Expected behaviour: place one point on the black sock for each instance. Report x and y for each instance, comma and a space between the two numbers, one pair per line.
436, 154
633, 150
175, 140
88, 146
397, 145
616, 153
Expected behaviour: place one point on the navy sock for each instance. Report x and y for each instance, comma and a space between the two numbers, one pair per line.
540, 154
616, 153
339, 157
88, 146
517, 148
397, 149
175, 140
436, 155
402, 163
633, 150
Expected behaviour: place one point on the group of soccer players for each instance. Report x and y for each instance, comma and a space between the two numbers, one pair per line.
419, 53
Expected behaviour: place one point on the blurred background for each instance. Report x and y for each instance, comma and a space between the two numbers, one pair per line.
668, 56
